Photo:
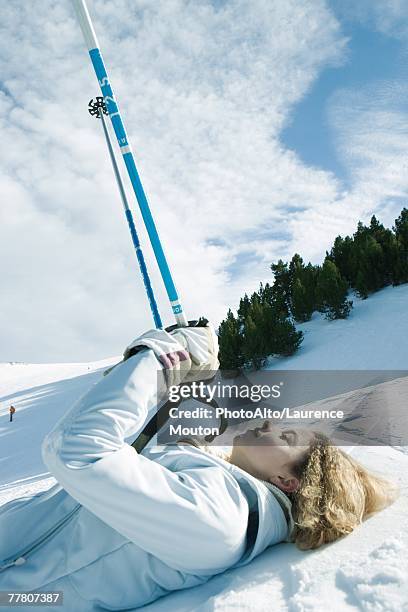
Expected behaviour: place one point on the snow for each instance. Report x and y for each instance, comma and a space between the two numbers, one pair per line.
368, 339
41, 394
368, 570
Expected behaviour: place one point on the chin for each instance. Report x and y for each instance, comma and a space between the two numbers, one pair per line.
239, 437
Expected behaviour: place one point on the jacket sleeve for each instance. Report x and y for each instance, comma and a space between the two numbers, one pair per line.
194, 520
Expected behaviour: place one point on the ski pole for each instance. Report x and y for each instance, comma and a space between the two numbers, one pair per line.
125, 148
98, 109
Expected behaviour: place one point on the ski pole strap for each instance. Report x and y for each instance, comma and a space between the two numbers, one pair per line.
201, 322
162, 416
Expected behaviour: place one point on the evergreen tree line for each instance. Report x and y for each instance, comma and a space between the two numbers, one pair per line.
264, 324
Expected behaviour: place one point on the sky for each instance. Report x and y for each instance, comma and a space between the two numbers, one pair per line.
259, 129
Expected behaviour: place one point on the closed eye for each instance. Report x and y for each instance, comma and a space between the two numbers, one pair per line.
288, 436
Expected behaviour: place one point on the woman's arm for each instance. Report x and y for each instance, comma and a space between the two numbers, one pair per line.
195, 521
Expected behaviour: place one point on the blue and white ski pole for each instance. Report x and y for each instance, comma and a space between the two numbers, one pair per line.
98, 109
113, 111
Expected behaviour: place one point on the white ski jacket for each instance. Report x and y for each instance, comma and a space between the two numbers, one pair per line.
122, 529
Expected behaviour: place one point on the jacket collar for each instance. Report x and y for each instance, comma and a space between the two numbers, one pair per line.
269, 507
285, 504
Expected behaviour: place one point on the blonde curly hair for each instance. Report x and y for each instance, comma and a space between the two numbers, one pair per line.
335, 495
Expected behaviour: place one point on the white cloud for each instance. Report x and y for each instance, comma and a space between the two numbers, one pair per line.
205, 90
387, 16
370, 134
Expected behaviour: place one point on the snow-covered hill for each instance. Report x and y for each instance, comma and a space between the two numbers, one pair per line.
41, 393
373, 337
368, 570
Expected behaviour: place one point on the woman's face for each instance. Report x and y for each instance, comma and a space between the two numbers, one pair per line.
270, 452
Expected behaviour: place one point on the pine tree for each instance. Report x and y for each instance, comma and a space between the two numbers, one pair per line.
255, 344
310, 274
298, 301
244, 305
303, 289
266, 294
401, 228
296, 264
361, 286
251, 344
401, 235
342, 255
370, 272
268, 333
399, 262
387, 241
372, 264
283, 338
281, 287
230, 343
332, 292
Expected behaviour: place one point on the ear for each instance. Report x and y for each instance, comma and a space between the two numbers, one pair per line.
287, 485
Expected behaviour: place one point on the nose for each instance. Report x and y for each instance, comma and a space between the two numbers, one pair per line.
267, 426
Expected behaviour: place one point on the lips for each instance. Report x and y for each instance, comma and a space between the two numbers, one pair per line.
250, 432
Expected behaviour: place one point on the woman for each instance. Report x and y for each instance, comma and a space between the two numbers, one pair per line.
121, 529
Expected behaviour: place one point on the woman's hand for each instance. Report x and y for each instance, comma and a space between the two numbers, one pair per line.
186, 353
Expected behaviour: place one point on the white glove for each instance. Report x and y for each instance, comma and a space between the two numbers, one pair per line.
186, 353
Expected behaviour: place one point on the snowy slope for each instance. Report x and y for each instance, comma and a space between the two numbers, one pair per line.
366, 571
373, 337
40, 393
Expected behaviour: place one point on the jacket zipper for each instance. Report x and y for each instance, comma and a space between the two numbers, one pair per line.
22, 555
